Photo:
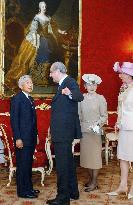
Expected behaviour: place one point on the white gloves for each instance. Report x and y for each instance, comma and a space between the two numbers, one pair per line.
96, 129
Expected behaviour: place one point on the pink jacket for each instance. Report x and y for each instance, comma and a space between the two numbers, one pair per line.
125, 109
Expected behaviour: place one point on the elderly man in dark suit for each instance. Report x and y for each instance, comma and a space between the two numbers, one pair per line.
24, 127
64, 127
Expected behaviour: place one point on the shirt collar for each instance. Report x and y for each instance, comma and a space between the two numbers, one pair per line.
60, 82
26, 94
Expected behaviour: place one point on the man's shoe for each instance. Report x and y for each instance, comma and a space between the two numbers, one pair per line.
72, 198
57, 202
35, 191
54, 203
28, 196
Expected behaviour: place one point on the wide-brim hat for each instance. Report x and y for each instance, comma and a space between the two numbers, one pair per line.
91, 79
126, 67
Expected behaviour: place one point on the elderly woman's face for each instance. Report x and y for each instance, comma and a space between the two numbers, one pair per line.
27, 86
125, 77
91, 88
42, 6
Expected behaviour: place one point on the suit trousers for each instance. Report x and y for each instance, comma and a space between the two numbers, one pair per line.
24, 160
67, 186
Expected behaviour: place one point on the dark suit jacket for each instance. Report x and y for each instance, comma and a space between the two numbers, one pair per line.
65, 124
23, 119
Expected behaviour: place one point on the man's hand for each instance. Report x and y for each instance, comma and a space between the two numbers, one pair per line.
66, 91
19, 144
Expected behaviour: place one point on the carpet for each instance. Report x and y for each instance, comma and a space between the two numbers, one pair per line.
108, 180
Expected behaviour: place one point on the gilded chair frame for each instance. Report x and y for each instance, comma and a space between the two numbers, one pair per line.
110, 137
12, 168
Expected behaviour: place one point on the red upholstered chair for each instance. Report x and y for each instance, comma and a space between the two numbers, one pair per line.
9, 149
4, 105
42, 156
111, 135
43, 120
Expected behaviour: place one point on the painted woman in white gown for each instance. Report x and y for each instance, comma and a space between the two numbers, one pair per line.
39, 50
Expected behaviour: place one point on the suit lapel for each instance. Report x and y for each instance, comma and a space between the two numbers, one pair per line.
26, 100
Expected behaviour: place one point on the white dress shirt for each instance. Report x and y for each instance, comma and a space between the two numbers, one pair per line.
26, 94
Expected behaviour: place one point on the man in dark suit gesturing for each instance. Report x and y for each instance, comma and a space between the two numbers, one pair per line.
64, 127
24, 127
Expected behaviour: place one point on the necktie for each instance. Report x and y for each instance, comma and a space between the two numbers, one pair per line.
32, 106
30, 99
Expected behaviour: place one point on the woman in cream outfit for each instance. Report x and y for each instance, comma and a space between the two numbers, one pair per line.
125, 126
93, 115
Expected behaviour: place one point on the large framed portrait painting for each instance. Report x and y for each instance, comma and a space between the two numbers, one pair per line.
33, 35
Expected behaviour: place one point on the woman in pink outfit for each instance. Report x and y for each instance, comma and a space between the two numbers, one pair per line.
125, 126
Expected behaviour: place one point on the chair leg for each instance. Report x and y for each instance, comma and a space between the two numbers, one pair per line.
111, 152
49, 155
43, 175
42, 170
130, 167
106, 151
10, 176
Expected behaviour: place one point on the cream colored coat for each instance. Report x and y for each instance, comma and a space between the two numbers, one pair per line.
92, 111
125, 109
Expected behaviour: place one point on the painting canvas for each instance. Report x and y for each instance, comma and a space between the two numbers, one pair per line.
32, 43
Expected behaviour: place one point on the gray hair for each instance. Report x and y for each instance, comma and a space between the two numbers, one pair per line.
58, 66
23, 79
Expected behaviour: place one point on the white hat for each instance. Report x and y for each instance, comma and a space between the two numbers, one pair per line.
126, 67
91, 79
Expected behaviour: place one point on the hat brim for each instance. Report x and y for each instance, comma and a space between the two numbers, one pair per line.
91, 79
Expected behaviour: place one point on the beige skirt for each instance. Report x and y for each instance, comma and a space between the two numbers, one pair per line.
125, 145
90, 151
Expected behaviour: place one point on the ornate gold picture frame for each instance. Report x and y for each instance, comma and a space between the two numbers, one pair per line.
43, 87
2, 36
